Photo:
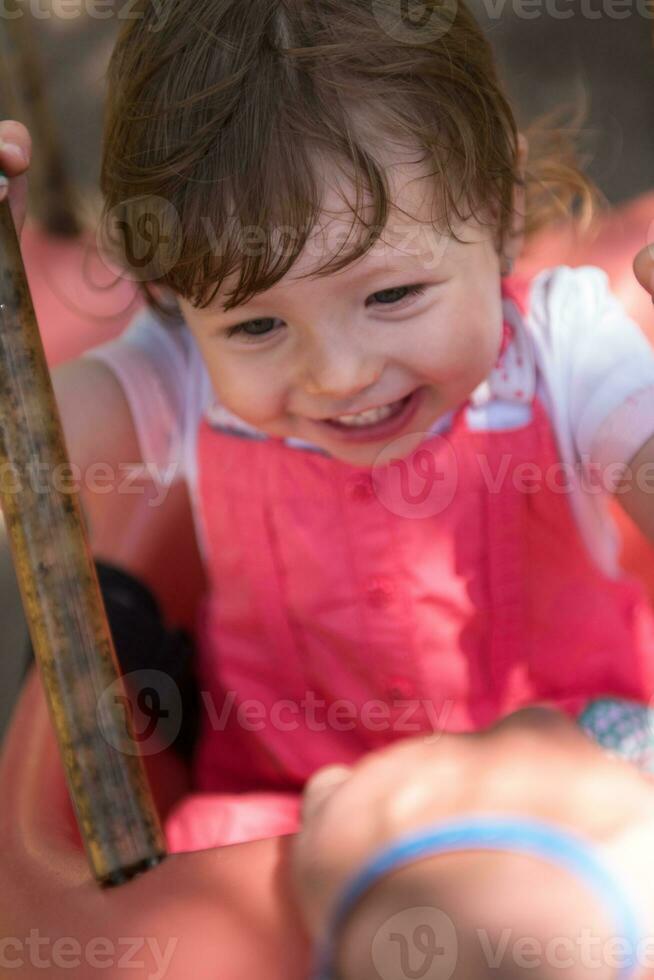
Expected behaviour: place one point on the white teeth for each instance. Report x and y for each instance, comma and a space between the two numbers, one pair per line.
370, 417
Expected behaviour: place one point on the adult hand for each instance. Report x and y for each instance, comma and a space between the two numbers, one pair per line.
644, 268
534, 764
15, 154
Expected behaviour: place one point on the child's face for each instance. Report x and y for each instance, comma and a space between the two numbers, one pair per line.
356, 340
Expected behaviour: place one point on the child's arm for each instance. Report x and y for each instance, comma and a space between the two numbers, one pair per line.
131, 521
101, 438
636, 492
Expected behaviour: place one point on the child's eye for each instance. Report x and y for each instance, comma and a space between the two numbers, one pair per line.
388, 297
266, 325
254, 328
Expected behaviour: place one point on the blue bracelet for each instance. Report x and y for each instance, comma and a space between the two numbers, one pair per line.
530, 837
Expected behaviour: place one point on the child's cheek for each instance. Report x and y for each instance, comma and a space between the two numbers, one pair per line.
484, 338
257, 397
465, 352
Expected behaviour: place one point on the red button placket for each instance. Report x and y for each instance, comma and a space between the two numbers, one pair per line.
380, 578
505, 521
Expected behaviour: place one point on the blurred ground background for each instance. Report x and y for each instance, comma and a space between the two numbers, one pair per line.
592, 58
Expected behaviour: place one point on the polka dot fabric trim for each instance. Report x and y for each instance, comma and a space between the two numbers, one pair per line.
623, 728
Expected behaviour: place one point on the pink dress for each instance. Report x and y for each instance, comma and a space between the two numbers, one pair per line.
351, 607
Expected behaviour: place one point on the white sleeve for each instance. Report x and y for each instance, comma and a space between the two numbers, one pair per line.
601, 366
153, 364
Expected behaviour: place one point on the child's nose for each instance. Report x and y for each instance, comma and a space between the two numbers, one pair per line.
340, 373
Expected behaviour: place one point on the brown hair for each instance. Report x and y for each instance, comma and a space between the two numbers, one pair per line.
219, 117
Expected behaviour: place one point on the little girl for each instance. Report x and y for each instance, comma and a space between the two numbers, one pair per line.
399, 454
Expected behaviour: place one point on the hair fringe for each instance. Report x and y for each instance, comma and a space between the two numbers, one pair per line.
225, 115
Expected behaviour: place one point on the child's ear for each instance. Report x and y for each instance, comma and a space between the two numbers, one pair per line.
515, 239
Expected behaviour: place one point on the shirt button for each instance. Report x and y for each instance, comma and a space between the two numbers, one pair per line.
380, 592
360, 489
399, 688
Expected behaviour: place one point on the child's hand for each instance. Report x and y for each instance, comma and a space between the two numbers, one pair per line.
15, 153
223, 914
644, 268
536, 764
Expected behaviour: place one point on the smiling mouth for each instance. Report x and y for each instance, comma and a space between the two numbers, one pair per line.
373, 416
